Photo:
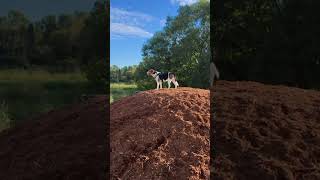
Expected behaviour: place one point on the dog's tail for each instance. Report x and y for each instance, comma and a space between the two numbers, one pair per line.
176, 84
213, 73
173, 76
215, 70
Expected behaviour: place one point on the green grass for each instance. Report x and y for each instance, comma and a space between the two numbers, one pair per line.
120, 90
13, 75
29, 93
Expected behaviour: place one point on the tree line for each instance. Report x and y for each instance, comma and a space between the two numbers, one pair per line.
58, 43
270, 41
126, 74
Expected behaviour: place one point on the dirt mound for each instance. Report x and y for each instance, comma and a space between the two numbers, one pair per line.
64, 144
161, 134
265, 132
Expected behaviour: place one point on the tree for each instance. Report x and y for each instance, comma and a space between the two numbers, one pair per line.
268, 41
94, 43
48, 26
16, 19
183, 47
64, 21
114, 77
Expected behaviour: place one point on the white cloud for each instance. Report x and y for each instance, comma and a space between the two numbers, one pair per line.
119, 30
129, 17
163, 22
129, 23
183, 2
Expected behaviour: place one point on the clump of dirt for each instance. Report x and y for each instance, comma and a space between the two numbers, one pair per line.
70, 143
265, 132
161, 134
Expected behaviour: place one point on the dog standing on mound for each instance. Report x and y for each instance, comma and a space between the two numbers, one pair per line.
162, 77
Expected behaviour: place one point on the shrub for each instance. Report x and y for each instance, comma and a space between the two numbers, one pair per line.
97, 73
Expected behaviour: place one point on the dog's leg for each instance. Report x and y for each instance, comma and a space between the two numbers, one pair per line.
175, 84
169, 84
160, 84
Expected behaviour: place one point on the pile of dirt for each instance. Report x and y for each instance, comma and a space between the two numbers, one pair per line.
161, 134
70, 143
265, 132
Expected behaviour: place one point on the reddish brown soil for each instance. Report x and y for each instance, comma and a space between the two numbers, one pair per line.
65, 144
261, 132
161, 134
265, 132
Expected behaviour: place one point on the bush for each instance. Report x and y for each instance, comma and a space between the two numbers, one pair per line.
143, 81
97, 74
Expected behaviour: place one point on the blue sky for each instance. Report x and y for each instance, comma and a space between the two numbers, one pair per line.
133, 22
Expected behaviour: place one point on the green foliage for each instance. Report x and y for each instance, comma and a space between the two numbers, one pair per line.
63, 43
97, 72
95, 43
124, 74
267, 41
143, 82
182, 47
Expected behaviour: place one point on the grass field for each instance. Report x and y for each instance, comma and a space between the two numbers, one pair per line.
25, 94
120, 90
13, 75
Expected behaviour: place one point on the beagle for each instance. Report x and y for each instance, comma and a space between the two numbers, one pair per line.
162, 77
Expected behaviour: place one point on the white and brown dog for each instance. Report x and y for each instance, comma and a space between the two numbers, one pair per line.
162, 77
